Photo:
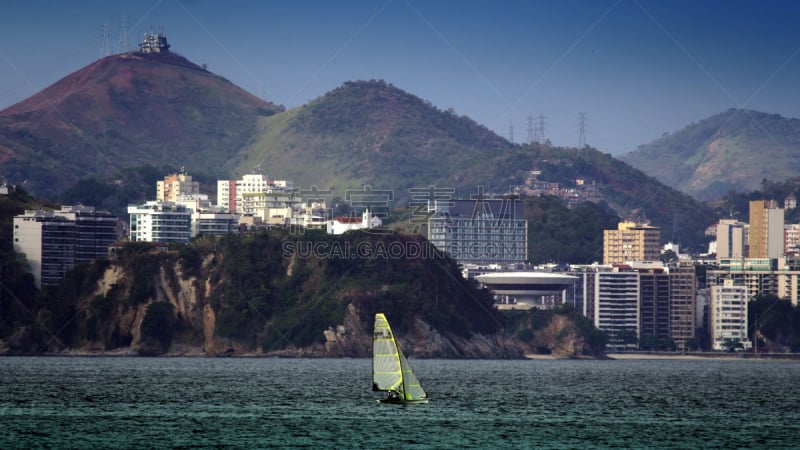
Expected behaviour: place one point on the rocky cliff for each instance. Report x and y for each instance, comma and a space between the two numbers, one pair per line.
239, 296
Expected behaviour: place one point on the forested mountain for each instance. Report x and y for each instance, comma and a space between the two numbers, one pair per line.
734, 150
87, 138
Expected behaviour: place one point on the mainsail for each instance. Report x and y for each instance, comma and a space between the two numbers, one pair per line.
390, 368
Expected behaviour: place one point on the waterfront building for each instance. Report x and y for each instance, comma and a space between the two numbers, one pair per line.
728, 315
766, 237
682, 303
481, 231
617, 308
54, 241
631, 242
756, 275
654, 304
581, 295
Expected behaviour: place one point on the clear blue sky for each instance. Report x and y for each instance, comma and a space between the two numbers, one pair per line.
637, 68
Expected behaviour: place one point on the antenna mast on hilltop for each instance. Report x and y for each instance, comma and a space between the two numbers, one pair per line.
511, 131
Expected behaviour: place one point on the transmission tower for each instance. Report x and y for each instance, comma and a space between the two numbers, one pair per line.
531, 139
511, 131
540, 129
581, 130
123, 35
106, 50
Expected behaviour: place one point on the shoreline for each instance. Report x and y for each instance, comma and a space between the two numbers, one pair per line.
704, 356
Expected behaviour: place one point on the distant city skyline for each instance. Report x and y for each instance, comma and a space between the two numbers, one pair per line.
628, 70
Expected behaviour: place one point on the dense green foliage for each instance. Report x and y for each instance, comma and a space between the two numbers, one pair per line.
775, 322
557, 234
282, 291
736, 205
127, 186
158, 327
629, 192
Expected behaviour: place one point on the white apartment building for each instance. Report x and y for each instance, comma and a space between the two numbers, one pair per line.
163, 222
237, 196
728, 315
207, 218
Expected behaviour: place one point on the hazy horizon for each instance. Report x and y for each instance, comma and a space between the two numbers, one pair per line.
637, 69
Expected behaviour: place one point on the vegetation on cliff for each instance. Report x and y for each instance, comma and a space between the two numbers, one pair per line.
561, 332
260, 293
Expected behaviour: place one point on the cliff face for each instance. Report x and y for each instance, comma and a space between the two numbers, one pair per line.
245, 296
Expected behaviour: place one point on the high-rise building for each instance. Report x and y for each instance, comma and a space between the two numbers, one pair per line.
54, 241
654, 303
616, 308
173, 186
631, 242
730, 239
682, 303
728, 315
766, 229
482, 231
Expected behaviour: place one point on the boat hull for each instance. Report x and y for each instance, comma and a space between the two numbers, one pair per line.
403, 402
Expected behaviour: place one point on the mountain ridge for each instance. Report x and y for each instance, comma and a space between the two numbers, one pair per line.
733, 150
132, 110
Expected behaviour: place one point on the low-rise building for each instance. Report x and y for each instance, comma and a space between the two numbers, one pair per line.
163, 222
341, 225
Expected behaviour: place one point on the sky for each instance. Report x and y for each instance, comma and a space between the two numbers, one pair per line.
634, 69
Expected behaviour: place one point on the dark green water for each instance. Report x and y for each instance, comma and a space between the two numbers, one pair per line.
326, 403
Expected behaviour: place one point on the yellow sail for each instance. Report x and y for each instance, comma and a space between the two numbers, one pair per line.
390, 368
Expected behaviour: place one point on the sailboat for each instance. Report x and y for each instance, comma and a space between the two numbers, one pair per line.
391, 372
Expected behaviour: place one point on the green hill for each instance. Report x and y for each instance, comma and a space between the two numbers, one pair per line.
370, 133
86, 138
734, 150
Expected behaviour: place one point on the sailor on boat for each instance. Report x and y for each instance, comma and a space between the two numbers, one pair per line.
392, 395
